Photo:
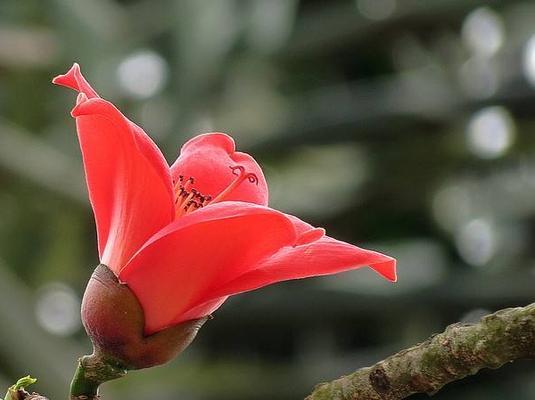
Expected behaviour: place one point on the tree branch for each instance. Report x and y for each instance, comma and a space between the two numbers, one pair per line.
461, 350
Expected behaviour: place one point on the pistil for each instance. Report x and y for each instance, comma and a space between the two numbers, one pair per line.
240, 177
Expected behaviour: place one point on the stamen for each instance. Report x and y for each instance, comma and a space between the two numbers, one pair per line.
183, 205
188, 199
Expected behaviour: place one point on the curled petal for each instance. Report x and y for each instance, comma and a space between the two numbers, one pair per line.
128, 179
177, 268
75, 80
209, 159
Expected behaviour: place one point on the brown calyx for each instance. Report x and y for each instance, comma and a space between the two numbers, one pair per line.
114, 320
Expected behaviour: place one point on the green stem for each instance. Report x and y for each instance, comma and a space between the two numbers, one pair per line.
91, 372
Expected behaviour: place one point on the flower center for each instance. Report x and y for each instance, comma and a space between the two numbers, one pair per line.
188, 199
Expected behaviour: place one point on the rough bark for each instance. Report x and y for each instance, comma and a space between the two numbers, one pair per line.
461, 350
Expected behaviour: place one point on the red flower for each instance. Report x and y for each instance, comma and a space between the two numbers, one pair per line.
184, 238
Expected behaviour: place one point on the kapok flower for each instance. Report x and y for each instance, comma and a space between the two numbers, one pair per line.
184, 238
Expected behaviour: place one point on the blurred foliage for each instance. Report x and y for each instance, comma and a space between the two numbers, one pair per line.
400, 125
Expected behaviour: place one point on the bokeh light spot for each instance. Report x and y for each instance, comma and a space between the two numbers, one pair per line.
490, 132
58, 309
483, 31
142, 74
477, 242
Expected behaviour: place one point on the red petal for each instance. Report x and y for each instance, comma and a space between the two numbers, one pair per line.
204, 309
131, 199
208, 158
311, 257
182, 263
128, 179
74, 79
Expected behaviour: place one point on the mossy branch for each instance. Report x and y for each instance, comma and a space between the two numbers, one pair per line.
461, 350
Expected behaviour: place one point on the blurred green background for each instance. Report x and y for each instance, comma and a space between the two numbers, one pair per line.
400, 125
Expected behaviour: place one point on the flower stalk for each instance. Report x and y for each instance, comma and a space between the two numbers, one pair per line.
91, 372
